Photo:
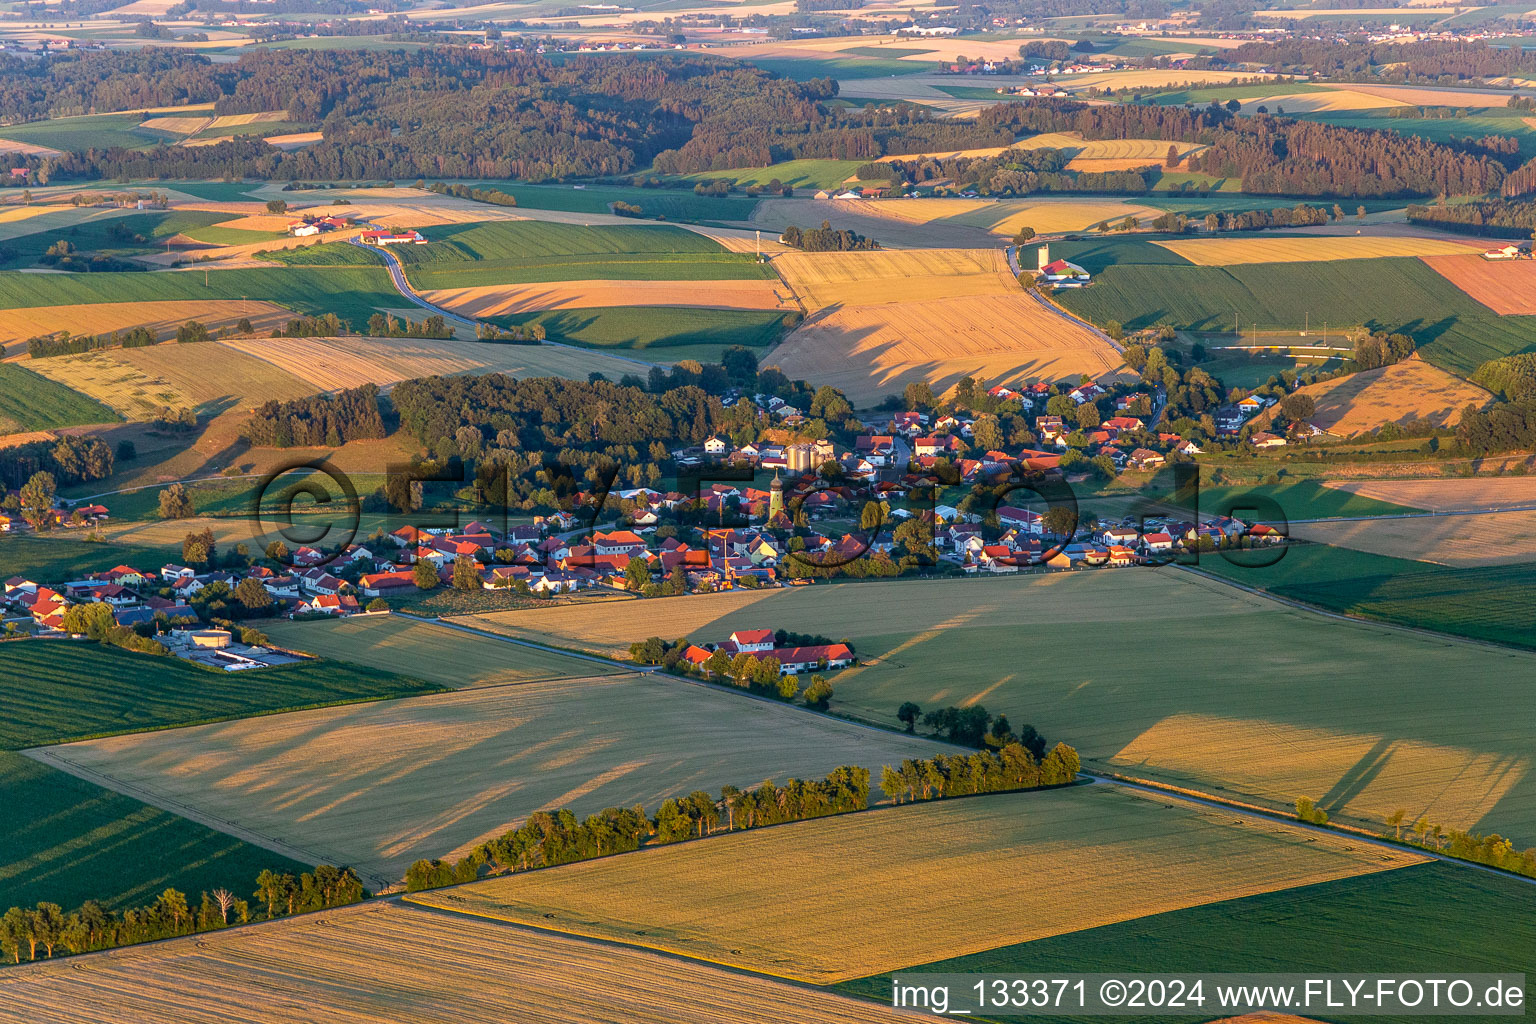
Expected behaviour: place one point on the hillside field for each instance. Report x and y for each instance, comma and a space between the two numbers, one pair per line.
427, 651
56, 690
1452, 331
954, 876
29, 401
68, 840
1502, 538
1407, 392
1216, 690
1357, 921
378, 960
381, 785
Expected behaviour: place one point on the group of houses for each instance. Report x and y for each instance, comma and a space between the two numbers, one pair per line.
762, 644
308, 227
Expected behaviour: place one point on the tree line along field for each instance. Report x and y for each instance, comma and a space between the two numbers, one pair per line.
381, 785
1452, 331
1219, 691
407, 962
911, 884
673, 204
1353, 924
32, 402
438, 654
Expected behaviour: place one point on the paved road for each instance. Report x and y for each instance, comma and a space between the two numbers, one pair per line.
1012, 252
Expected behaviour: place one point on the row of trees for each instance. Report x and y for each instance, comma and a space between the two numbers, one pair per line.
549, 839
826, 239
383, 325
327, 325
63, 343
319, 420
45, 929
1486, 217
949, 775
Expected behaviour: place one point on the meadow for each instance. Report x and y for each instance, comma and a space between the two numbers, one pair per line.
423, 650
1348, 924
1209, 687
407, 962
955, 877
381, 785
1495, 603
71, 134
52, 691
32, 402
68, 840
1399, 294
353, 293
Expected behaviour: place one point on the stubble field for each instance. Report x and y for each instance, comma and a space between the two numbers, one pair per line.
1218, 690
381, 785
909, 275
1446, 495
1502, 538
383, 961
1407, 392
913, 884
1227, 252
17, 325
1505, 286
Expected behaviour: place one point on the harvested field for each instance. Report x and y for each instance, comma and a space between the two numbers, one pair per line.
17, 325
179, 125
912, 275
1411, 391
1170, 707
1446, 495
1228, 252
1408, 95
331, 364
1154, 150
296, 140
1508, 287
1090, 165
1155, 79
127, 390
1015, 867
1308, 102
423, 650
220, 380
872, 351
381, 961
502, 300
29, 220
381, 785
1499, 538
258, 222
27, 148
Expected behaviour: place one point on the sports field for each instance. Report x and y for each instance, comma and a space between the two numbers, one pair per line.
334, 363
1314, 928
68, 840
29, 402
428, 651
392, 961
917, 883
384, 784
1407, 392
1218, 690
1226, 252
1505, 286
56, 690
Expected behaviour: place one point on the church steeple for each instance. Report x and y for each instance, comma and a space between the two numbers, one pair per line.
775, 496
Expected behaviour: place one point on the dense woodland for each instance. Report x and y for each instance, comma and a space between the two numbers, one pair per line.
318, 420
1427, 62
1489, 217
70, 459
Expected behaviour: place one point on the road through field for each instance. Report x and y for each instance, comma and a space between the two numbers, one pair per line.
397, 275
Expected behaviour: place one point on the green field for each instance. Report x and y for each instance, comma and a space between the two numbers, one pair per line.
1297, 499
52, 691
673, 204
1452, 330
67, 840
98, 131
326, 254
802, 174
843, 68
216, 191
645, 327
708, 267
1427, 919
503, 240
1495, 602
1222, 93
352, 293
30, 401
1165, 674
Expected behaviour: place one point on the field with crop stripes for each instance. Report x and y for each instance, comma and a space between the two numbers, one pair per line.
32, 402
1452, 331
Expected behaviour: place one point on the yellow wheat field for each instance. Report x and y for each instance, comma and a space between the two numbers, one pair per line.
295, 140
124, 389
1407, 95
177, 125
1155, 79
1015, 868
1109, 149
1407, 392
394, 962
1500, 538
869, 352
335, 363
226, 120
17, 325
381, 785
1227, 252
1446, 495
998, 216
908, 275
1303, 102
502, 299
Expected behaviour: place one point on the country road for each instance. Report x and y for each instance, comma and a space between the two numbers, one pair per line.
397, 274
